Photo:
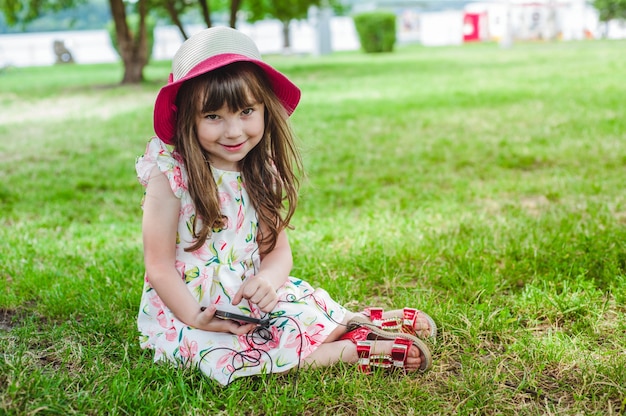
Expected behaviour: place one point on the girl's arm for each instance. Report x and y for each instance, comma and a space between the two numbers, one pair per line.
272, 274
276, 265
160, 224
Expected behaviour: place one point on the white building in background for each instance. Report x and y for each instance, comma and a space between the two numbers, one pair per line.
497, 20
538, 19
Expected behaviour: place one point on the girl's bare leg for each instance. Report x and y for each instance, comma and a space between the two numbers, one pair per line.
341, 329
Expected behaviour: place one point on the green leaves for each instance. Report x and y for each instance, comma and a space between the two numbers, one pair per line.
24, 11
610, 9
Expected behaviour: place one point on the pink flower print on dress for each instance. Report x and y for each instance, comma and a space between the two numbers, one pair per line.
240, 218
250, 248
228, 223
177, 156
225, 199
171, 334
316, 337
236, 184
176, 180
203, 253
162, 319
188, 349
225, 362
304, 343
264, 345
180, 267
156, 302
187, 210
202, 284
319, 301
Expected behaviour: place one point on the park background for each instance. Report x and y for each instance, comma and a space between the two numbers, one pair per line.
480, 181
320, 31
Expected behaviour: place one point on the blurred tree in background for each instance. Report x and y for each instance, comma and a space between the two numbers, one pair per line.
610, 10
92, 15
287, 10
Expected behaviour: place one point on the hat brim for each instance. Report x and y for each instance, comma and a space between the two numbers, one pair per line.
165, 105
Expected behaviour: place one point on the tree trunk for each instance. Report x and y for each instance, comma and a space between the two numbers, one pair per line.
206, 12
234, 8
133, 48
286, 37
171, 10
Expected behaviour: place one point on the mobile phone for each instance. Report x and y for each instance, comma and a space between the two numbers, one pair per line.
241, 318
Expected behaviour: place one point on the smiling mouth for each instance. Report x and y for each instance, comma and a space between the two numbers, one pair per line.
233, 148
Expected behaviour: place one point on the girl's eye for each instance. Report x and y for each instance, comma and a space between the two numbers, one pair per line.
211, 116
247, 111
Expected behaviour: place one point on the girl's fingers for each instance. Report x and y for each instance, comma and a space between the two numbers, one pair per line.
268, 302
242, 329
238, 296
209, 311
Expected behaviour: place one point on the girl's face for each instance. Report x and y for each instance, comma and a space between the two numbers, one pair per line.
227, 135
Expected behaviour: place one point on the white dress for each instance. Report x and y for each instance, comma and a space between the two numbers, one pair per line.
301, 321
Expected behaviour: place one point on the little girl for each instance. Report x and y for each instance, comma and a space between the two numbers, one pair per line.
221, 188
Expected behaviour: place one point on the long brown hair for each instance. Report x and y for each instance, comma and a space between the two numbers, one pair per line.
269, 170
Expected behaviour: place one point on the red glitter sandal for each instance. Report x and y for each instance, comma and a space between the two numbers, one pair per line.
364, 338
405, 324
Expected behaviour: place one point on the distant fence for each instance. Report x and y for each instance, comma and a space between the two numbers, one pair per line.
36, 49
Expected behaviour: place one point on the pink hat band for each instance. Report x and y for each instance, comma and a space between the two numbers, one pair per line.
204, 52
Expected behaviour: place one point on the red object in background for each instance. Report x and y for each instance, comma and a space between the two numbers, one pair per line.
472, 27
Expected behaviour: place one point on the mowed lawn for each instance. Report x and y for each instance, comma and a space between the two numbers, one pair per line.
483, 185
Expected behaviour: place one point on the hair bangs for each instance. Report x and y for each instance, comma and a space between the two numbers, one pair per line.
236, 86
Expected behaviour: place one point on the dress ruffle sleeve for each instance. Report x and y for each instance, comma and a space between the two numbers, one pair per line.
158, 154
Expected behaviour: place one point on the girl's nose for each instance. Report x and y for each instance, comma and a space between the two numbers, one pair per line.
233, 128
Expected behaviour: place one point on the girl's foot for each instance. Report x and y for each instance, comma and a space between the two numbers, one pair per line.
376, 347
384, 353
408, 320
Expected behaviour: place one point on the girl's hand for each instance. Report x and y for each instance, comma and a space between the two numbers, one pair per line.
206, 320
258, 291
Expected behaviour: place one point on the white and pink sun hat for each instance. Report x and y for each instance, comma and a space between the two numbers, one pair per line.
203, 52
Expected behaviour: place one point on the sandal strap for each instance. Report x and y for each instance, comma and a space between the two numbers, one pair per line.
408, 320
363, 350
376, 316
361, 330
405, 324
400, 351
367, 360
410, 315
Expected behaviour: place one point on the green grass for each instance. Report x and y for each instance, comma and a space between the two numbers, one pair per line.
483, 185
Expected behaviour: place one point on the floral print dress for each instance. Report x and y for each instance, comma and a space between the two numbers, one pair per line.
300, 322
